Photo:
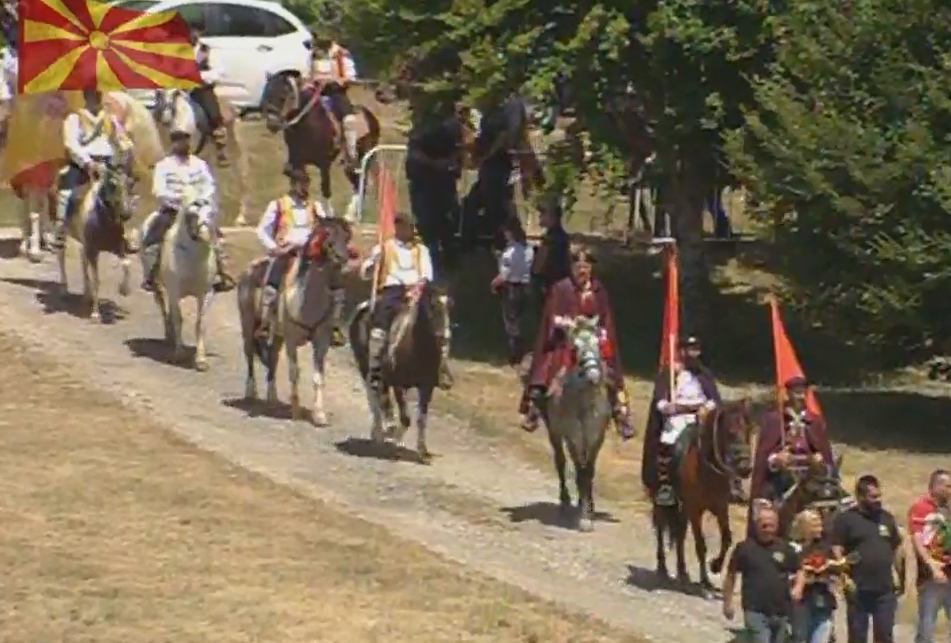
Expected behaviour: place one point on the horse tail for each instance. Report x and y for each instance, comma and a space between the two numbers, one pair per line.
248, 309
374, 131
669, 521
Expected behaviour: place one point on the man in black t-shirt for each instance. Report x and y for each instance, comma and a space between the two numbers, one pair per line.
766, 563
871, 535
433, 166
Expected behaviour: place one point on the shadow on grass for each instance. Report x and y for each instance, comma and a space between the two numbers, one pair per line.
900, 420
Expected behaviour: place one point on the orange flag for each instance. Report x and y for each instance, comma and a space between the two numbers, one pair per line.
85, 44
386, 204
787, 364
671, 328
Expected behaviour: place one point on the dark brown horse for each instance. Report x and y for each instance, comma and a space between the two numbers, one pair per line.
814, 485
417, 343
719, 451
312, 133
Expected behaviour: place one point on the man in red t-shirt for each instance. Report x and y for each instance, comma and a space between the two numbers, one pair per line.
926, 525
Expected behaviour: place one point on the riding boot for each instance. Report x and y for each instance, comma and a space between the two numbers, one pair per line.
350, 138
375, 347
531, 419
150, 257
737, 495
621, 413
220, 137
339, 298
223, 281
665, 496
63, 198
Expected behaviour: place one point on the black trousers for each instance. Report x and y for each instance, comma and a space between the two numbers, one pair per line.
489, 203
279, 267
879, 608
388, 303
340, 103
206, 99
435, 202
514, 302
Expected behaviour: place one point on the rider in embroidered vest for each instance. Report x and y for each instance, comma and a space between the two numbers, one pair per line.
404, 267
799, 435
580, 294
674, 418
176, 175
283, 230
92, 136
334, 70
205, 95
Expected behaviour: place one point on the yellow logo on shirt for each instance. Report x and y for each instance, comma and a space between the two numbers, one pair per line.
779, 557
883, 531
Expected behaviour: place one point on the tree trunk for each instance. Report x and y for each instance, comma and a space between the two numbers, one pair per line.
685, 199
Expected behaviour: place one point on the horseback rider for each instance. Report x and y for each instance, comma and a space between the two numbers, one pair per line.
579, 294
333, 70
178, 175
204, 96
92, 137
287, 224
404, 268
675, 417
796, 437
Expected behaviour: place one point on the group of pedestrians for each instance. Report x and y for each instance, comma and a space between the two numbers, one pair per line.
792, 588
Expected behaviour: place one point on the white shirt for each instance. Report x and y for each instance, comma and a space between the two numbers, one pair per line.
688, 391
402, 272
328, 66
82, 146
515, 263
9, 64
300, 224
177, 182
214, 72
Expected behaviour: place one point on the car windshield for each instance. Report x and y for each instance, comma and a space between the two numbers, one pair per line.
138, 5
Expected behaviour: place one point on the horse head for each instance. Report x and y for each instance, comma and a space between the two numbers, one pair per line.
329, 242
584, 337
281, 97
731, 430
114, 193
194, 220
164, 108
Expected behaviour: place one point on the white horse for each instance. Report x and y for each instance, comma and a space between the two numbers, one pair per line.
187, 269
174, 110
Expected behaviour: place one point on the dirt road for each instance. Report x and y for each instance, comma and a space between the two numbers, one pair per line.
475, 505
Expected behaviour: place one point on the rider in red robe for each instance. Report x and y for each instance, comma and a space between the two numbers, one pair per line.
580, 294
796, 433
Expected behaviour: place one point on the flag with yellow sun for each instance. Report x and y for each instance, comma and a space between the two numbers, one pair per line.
84, 44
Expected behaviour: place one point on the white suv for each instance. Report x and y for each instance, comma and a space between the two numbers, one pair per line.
249, 40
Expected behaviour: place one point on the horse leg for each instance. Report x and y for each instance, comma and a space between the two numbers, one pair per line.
175, 319
25, 224
91, 270
319, 351
250, 383
325, 191
726, 539
398, 432
657, 517
241, 170
125, 265
274, 356
34, 247
61, 262
584, 476
679, 531
558, 453
700, 545
201, 357
425, 396
293, 374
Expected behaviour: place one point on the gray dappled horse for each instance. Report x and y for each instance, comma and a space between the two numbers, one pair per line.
304, 313
417, 343
98, 224
577, 414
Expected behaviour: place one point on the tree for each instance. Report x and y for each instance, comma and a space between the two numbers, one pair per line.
685, 62
849, 140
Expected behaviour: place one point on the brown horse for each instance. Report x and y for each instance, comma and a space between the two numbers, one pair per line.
815, 486
312, 133
719, 451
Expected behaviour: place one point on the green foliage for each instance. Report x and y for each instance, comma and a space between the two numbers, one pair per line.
850, 137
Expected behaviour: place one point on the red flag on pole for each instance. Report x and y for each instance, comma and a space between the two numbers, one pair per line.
787, 364
386, 204
671, 328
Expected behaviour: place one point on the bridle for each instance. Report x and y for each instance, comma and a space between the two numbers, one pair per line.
718, 463
292, 98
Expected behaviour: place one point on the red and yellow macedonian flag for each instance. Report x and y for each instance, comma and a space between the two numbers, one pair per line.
84, 44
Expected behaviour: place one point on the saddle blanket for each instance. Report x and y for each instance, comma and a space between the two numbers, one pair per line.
675, 426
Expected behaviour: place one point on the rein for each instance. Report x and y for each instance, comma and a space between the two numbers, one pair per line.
718, 463
302, 111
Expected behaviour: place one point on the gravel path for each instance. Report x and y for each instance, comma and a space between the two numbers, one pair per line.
455, 507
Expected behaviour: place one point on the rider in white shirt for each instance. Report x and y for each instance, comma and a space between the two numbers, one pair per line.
176, 177
205, 95
404, 266
334, 70
9, 66
92, 136
285, 228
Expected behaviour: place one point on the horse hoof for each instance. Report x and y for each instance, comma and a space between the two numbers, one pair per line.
425, 457
94, 318
683, 578
201, 366
662, 574
586, 525
34, 256
241, 221
377, 436
716, 566
319, 419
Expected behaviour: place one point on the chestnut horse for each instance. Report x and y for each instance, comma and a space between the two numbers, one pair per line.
311, 133
720, 450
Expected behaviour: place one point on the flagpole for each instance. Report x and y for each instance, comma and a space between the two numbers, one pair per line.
773, 311
670, 246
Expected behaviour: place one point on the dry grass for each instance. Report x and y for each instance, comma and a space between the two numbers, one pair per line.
112, 530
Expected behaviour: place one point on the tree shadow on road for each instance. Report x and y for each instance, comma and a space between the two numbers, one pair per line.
260, 408
367, 448
54, 301
550, 515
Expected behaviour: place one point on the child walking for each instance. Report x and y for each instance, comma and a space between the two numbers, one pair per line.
512, 283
